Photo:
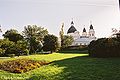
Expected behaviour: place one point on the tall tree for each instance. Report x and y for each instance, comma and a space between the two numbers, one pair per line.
61, 34
34, 34
13, 35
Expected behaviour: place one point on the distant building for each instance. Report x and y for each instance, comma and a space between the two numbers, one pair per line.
84, 39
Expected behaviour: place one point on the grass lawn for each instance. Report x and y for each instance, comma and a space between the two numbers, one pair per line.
68, 67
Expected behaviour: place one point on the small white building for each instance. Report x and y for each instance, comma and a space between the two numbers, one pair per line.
84, 39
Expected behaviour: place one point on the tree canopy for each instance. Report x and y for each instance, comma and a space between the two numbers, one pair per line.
50, 43
34, 31
34, 35
13, 35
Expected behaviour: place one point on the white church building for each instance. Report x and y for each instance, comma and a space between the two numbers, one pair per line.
81, 39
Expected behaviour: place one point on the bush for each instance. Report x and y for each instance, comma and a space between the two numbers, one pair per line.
104, 47
21, 65
72, 48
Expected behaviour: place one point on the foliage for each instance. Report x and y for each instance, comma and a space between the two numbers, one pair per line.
50, 43
13, 35
5, 45
34, 35
21, 65
61, 33
2, 51
67, 41
34, 31
21, 47
35, 45
8, 47
21, 44
104, 47
18, 49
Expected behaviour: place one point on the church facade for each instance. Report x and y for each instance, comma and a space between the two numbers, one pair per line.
81, 39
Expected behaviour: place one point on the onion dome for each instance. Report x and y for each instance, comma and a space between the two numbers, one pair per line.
91, 26
84, 30
72, 29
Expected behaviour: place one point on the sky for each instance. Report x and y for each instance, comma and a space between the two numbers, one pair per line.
50, 14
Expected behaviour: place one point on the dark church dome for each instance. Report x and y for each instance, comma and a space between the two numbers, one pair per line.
72, 29
84, 30
91, 26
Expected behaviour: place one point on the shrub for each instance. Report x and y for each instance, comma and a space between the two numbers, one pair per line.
104, 47
21, 65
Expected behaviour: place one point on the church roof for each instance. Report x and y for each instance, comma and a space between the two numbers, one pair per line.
72, 29
91, 26
84, 30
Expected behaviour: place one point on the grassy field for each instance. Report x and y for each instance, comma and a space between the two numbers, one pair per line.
68, 67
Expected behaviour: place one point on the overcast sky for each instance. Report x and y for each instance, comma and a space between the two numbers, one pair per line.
50, 14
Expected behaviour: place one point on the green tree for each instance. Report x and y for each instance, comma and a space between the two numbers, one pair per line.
13, 35
34, 35
50, 43
67, 41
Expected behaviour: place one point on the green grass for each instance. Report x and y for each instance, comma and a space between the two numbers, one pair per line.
69, 67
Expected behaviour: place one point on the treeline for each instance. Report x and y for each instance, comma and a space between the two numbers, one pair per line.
34, 39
